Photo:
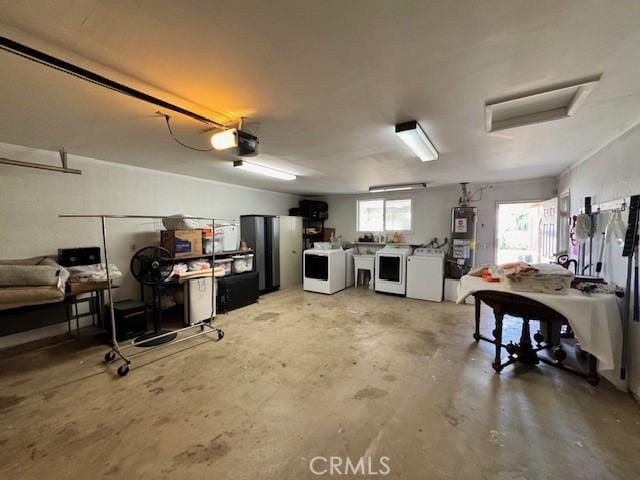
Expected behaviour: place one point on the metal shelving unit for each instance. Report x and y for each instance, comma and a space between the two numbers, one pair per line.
204, 327
308, 239
219, 254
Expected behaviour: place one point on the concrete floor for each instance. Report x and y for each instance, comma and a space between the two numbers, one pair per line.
302, 375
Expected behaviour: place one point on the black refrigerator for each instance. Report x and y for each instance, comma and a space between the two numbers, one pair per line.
262, 234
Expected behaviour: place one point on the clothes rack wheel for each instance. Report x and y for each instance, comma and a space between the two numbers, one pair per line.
558, 354
123, 369
109, 356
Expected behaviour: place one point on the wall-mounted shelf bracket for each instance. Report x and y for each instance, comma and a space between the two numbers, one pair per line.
62, 169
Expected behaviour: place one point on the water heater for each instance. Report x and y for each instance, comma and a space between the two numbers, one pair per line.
462, 250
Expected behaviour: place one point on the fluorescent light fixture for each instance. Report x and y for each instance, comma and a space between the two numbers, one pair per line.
262, 170
538, 107
412, 134
397, 188
225, 139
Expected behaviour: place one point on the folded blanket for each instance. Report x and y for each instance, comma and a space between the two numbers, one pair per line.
541, 278
520, 276
93, 273
33, 272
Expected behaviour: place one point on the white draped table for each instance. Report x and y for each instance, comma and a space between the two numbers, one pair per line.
594, 319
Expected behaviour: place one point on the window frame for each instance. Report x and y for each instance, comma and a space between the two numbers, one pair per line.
384, 214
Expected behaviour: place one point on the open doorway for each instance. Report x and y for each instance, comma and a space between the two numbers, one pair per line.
526, 231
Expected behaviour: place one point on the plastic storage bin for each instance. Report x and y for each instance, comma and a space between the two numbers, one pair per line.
218, 240
231, 240
224, 263
242, 263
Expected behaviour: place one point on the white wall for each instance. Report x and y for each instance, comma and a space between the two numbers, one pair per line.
33, 199
611, 174
432, 210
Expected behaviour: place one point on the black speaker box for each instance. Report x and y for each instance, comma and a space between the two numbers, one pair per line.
70, 257
314, 209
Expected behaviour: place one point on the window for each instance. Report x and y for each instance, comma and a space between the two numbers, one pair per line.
370, 215
397, 215
384, 215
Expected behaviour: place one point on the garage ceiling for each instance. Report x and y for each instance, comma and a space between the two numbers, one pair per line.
323, 84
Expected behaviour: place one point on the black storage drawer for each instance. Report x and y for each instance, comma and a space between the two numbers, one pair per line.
237, 291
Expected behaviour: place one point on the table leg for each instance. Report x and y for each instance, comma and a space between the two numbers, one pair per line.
555, 328
592, 377
67, 309
75, 304
100, 307
497, 363
93, 304
476, 334
526, 354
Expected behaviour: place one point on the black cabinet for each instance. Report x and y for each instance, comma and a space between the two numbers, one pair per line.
262, 234
237, 291
130, 317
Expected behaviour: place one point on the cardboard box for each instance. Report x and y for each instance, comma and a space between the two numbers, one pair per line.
182, 243
326, 234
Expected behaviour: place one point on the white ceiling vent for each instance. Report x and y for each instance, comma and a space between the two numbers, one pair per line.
541, 106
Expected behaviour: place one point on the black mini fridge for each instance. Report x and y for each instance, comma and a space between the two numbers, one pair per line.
262, 235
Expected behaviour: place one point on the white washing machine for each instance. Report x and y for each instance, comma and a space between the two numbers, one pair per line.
324, 270
425, 274
391, 269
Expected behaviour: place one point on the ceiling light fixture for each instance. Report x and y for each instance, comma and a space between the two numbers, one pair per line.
398, 188
412, 134
225, 139
262, 170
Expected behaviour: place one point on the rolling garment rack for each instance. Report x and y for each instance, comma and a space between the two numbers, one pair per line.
204, 326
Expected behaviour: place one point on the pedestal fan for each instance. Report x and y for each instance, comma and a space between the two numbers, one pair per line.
151, 266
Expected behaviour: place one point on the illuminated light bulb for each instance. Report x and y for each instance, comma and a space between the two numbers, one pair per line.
225, 139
